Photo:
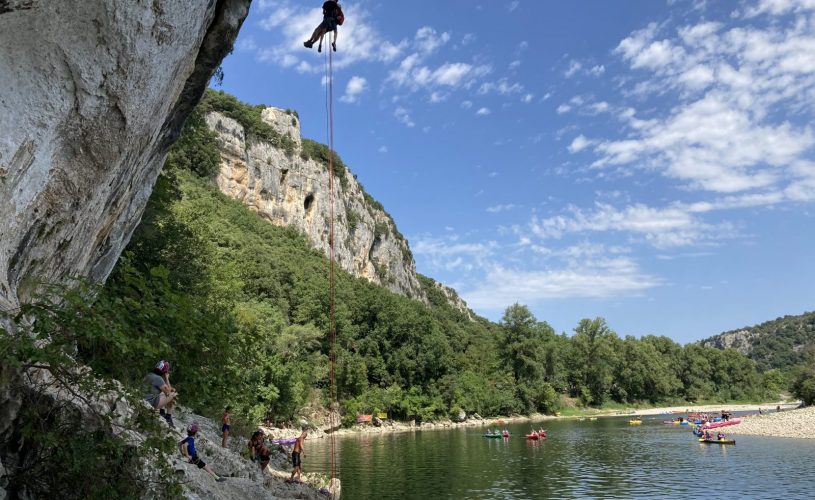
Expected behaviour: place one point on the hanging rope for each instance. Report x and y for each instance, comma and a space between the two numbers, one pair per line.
332, 323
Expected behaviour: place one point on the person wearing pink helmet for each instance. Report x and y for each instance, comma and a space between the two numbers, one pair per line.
160, 393
187, 447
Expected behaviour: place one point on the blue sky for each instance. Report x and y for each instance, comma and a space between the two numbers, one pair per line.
648, 161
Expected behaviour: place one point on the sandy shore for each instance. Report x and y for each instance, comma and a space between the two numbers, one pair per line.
790, 424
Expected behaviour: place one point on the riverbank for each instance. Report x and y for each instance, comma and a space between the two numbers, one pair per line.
392, 426
799, 423
716, 408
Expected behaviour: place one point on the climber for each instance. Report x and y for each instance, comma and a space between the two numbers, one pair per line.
187, 447
160, 393
332, 17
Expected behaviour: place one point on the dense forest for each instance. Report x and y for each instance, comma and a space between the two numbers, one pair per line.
240, 308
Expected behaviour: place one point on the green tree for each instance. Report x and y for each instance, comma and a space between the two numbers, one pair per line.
593, 360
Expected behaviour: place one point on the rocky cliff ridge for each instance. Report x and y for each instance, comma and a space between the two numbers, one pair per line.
290, 187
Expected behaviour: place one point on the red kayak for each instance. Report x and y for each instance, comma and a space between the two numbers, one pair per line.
725, 423
534, 435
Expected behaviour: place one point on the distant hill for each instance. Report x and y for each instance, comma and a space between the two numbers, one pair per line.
780, 343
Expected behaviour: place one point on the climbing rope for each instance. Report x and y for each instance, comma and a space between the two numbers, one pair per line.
332, 323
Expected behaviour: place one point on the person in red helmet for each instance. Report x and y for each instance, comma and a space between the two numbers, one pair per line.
187, 447
160, 393
332, 17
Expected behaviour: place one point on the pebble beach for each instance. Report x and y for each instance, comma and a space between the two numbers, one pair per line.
798, 423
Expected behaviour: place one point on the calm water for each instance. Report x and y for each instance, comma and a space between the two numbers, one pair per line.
605, 458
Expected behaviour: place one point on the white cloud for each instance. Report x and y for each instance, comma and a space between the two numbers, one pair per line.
467, 104
513, 5
602, 278
574, 67
483, 111
778, 7
403, 115
675, 225
436, 96
597, 70
356, 86
383, 149
527, 98
579, 144
428, 41
563, 108
742, 102
500, 208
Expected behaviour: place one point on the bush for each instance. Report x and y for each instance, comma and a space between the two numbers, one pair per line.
803, 385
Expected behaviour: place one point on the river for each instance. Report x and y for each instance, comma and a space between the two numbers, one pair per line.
605, 458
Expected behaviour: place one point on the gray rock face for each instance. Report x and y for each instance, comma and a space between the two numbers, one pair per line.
288, 190
92, 94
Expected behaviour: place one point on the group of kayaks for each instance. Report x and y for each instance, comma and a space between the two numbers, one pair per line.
701, 427
497, 435
534, 435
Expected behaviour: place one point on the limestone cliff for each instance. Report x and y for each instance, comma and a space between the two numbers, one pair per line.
290, 187
92, 94
780, 343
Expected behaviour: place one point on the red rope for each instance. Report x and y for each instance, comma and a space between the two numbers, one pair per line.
332, 324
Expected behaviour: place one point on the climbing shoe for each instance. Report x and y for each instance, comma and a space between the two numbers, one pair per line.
308, 44
169, 418
220, 479
334, 46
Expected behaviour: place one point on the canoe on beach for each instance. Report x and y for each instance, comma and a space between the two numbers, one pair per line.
725, 423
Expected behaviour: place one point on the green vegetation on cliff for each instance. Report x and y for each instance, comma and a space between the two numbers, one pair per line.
782, 343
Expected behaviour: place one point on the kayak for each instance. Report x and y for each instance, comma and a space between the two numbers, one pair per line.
494, 436
532, 436
285, 440
722, 424
635, 422
717, 441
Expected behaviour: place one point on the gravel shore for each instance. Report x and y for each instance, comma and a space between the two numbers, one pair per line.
791, 424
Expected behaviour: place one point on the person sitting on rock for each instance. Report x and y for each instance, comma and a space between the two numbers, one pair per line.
332, 17
187, 447
160, 393
258, 450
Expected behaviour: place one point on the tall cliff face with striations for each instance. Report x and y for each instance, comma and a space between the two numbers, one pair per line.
92, 94
289, 187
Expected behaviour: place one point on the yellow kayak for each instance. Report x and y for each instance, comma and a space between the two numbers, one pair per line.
635, 422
